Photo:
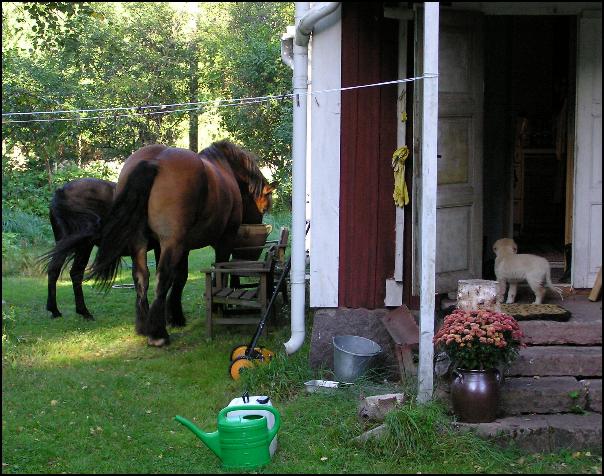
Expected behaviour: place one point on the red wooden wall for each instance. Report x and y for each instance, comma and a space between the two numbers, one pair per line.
368, 139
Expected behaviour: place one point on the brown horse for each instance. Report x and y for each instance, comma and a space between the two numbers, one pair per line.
184, 201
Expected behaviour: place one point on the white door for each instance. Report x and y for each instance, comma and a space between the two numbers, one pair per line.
587, 215
460, 156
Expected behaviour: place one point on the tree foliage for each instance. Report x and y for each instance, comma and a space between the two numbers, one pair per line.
248, 64
95, 55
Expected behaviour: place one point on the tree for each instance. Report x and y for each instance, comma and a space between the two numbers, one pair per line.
248, 64
104, 55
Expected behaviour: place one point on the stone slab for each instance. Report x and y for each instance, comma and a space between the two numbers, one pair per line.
552, 333
529, 395
544, 433
593, 389
558, 360
521, 395
328, 323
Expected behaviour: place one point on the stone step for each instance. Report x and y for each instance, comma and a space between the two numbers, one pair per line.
521, 395
593, 388
558, 360
544, 433
552, 332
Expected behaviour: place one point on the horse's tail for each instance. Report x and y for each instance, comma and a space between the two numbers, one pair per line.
125, 223
549, 284
71, 228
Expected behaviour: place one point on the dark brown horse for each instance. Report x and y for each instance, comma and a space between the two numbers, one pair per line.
77, 210
184, 201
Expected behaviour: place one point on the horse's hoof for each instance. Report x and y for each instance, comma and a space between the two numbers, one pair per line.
55, 315
158, 342
88, 317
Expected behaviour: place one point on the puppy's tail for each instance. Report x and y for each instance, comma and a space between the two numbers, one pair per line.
549, 284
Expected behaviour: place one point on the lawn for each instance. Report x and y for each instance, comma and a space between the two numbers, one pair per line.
91, 397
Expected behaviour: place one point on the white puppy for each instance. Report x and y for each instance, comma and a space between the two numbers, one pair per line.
513, 268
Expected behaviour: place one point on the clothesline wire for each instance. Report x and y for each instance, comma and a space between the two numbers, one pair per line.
136, 110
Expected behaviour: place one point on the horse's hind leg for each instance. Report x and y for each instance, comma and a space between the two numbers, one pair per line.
171, 257
140, 276
54, 271
80, 261
175, 317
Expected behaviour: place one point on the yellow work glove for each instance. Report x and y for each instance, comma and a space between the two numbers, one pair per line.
400, 194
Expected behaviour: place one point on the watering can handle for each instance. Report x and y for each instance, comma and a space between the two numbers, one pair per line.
272, 432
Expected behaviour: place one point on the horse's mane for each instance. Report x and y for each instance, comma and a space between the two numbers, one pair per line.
243, 163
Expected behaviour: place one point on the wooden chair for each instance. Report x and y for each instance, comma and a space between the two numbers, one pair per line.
279, 256
241, 286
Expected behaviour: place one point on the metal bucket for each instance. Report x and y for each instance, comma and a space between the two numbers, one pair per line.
352, 356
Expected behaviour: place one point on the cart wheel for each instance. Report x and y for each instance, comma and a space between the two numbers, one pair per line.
238, 352
267, 354
238, 365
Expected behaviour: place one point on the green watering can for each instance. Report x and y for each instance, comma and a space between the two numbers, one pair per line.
242, 441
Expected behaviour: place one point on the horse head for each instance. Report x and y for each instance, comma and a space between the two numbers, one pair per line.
249, 176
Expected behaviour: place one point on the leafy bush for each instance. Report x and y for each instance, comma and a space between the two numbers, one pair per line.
21, 228
24, 238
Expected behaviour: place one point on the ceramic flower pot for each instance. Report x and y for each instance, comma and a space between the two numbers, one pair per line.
475, 394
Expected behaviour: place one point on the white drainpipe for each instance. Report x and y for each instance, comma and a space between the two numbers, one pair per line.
305, 22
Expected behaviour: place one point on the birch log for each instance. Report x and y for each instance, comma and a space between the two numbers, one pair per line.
476, 294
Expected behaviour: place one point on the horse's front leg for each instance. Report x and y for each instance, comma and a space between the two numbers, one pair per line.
175, 316
171, 256
140, 276
80, 260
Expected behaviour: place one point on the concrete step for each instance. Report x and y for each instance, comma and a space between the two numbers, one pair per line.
558, 360
543, 433
580, 332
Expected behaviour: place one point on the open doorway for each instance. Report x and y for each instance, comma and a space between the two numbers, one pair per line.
529, 101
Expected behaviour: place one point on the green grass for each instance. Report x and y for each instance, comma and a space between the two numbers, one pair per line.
91, 397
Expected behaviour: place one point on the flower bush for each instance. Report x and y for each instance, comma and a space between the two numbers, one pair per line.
479, 340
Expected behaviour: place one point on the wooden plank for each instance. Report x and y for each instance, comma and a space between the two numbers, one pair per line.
237, 302
428, 203
221, 293
236, 294
401, 326
250, 294
237, 320
368, 135
596, 291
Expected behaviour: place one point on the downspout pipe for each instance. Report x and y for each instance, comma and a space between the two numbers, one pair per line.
309, 20
306, 20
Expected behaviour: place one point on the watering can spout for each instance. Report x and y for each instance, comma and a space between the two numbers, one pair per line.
211, 440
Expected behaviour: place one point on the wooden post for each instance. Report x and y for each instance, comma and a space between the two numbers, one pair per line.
596, 291
428, 203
